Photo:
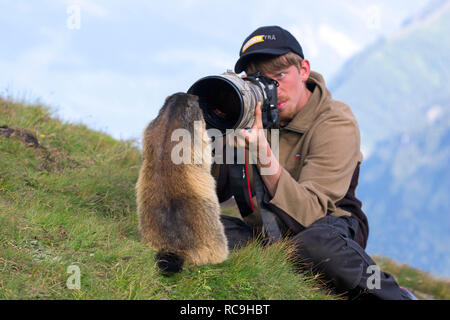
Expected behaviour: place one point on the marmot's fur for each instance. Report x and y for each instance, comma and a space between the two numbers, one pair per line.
177, 205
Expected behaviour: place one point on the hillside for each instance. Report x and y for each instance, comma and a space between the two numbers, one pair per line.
67, 198
398, 89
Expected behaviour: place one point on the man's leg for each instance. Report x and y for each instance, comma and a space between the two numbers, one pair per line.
238, 233
328, 247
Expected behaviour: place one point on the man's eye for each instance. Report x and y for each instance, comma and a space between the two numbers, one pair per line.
281, 75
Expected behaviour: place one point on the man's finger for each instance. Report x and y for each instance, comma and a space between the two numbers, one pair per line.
258, 117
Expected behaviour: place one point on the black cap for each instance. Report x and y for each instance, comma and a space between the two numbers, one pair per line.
271, 40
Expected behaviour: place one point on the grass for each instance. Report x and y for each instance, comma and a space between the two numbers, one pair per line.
70, 201
421, 284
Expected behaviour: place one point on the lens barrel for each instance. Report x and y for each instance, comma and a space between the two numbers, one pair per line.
227, 101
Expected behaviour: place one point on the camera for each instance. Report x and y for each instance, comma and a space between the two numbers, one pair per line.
228, 101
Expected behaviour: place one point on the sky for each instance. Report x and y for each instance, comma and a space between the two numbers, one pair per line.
111, 64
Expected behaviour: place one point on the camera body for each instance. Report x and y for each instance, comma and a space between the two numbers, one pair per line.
269, 105
228, 101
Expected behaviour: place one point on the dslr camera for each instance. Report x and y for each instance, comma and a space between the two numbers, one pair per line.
228, 101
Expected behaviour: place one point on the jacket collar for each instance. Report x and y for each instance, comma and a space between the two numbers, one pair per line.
305, 117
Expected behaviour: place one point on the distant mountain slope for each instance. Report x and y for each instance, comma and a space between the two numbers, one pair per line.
391, 84
405, 190
399, 90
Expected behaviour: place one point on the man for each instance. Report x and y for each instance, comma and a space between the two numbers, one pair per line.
312, 191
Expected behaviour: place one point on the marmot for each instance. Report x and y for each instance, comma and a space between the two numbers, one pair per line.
177, 205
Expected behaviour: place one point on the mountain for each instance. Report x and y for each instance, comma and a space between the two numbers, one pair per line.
392, 83
399, 90
405, 187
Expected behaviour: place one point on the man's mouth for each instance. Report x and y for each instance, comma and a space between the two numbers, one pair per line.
281, 105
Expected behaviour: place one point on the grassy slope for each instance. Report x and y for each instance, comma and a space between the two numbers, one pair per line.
71, 201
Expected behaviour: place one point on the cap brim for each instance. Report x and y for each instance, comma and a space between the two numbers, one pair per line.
243, 61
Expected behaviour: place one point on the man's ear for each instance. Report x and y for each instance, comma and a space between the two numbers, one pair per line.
305, 70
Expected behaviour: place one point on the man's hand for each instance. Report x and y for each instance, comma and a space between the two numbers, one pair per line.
254, 140
254, 135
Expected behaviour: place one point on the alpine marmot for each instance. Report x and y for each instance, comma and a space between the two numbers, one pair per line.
177, 205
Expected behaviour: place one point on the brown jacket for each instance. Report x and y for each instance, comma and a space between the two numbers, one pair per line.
319, 151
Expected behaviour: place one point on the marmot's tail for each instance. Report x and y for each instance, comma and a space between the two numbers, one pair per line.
169, 262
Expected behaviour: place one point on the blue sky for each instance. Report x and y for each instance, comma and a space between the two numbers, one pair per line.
114, 71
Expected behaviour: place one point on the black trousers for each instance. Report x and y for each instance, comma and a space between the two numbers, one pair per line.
328, 247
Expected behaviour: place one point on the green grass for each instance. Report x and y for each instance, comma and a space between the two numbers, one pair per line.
71, 201
422, 284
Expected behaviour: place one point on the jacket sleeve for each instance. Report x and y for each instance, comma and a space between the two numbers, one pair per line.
328, 166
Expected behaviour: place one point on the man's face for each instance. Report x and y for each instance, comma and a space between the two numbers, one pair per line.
292, 91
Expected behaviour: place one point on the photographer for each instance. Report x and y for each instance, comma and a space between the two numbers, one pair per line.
311, 194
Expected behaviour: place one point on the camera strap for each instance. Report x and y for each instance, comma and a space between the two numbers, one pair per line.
239, 184
239, 181
271, 228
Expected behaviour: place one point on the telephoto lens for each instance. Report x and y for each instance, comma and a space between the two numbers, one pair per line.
229, 102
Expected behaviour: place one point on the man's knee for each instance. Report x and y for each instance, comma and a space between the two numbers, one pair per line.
321, 249
313, 245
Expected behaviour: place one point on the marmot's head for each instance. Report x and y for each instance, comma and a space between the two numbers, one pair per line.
183, 108
182, 111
